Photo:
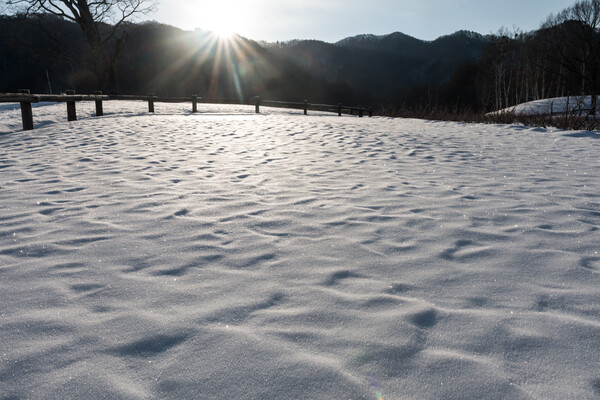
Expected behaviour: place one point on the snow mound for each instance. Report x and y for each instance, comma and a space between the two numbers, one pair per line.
552, 106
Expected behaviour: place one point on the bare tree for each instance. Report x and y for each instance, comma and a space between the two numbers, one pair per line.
575, 46
100, 21
502, 68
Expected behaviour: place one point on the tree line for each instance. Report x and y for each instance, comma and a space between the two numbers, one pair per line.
561, 58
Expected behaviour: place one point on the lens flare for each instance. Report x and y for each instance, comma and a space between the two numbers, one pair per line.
375, 386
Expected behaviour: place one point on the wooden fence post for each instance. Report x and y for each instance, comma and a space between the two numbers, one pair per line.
257, 104
361, 111
26, 112
305, 107
370, 112
194, 103
339, 109
99, 109
151, 102
71, 111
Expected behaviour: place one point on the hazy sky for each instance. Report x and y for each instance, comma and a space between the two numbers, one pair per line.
332, 20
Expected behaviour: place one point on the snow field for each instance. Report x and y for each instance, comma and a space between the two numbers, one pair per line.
228, 254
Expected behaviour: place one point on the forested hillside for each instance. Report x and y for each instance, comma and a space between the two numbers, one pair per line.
463, 71
43, 52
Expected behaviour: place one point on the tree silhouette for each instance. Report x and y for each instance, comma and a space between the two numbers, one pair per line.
101, 22
577, 49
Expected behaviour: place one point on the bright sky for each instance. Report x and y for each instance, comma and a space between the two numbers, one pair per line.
332, 20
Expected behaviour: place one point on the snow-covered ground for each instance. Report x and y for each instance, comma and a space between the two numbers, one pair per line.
276, 256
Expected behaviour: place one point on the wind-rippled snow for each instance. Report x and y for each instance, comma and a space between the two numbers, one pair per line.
231, 255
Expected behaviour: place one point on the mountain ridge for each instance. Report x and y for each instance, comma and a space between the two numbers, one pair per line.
163, 59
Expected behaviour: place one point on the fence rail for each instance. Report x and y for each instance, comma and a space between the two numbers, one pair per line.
70, 98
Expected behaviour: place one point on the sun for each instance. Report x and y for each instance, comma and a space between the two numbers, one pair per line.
223, 25
224, 33
223, 18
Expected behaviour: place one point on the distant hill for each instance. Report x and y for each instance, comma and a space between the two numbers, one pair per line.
378, 68
158, 58
399, 44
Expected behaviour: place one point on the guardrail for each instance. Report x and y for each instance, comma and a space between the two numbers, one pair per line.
70, 98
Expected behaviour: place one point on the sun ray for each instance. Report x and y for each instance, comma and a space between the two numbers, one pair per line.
212, 66
193, 50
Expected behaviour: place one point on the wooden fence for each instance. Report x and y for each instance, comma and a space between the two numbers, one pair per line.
70, 98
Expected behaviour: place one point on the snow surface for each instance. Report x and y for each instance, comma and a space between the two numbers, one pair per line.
239, 256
